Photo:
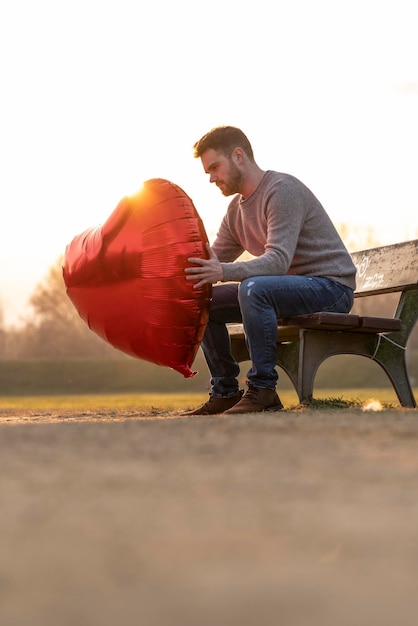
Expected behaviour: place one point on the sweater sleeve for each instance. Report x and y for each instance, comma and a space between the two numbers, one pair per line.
225, 246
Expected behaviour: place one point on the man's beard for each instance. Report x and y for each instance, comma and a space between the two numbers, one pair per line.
233, 185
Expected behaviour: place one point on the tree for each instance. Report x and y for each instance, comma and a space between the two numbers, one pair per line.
56, 329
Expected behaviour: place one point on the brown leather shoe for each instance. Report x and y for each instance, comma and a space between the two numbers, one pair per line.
257, 400
216, 405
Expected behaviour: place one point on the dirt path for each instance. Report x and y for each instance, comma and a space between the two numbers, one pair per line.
115, 519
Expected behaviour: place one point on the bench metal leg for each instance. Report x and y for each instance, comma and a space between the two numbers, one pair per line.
391, 358
288, 360
301, 358
316, 346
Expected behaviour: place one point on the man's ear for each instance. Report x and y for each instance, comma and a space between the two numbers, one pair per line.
238, 154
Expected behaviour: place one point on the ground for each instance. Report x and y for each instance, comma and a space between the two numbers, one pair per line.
298, 518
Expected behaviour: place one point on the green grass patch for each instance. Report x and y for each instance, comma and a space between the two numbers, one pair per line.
331, 403
324, 398
142, 401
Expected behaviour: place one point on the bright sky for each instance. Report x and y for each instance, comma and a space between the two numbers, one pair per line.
97, 97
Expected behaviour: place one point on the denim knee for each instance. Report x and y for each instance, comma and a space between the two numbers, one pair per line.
247, 288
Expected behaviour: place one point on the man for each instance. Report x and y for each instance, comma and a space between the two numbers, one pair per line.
300, 266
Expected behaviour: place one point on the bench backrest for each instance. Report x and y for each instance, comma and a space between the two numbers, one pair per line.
387, 269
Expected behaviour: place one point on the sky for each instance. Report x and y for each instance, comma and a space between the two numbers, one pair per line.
97, 97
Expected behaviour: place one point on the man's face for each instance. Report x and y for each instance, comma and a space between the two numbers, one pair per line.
222, 171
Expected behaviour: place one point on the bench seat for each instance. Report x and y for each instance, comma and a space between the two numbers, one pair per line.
289, 328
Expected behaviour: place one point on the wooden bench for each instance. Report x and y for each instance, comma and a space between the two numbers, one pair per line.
304, 342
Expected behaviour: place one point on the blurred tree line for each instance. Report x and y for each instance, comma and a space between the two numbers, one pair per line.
54, 330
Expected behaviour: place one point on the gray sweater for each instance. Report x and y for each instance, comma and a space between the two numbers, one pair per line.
286, 229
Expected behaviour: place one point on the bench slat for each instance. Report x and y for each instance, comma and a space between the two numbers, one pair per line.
323, 320
288, 329
387, 268
380, 324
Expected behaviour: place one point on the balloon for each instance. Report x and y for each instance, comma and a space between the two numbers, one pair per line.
126, 277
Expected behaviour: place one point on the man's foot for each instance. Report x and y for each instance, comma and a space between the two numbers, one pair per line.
256, 400
216, 405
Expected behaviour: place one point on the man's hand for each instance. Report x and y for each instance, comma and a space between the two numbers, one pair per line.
208, 270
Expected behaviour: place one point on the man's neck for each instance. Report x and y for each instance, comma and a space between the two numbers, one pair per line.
251, 181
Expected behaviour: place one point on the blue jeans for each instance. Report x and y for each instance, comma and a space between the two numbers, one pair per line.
258, 302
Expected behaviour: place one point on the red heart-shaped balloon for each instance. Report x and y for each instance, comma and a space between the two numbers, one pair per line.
126, 277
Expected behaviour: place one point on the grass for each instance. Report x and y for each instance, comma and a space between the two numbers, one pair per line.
324, 398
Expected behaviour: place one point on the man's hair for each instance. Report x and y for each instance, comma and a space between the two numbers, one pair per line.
223, 139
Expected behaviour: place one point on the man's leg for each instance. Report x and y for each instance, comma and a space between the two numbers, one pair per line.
265, 299
216, 347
